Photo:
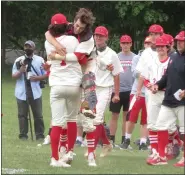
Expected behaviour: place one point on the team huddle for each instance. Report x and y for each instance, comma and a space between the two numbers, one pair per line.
85, 76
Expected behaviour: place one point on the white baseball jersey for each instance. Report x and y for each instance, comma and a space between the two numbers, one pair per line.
155, 70
71, 73
104, 77
146, 57
86, 46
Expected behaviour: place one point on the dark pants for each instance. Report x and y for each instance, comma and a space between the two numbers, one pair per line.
36, 107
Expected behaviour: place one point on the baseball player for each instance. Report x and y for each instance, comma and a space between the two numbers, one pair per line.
65, 83
137, 105
126, 81
105, 81
173, 102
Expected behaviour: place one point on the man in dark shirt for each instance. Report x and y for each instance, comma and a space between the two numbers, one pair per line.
173, 105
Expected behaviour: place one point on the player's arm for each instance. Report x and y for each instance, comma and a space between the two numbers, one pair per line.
59, 48
116, 71
80, 54
135, 73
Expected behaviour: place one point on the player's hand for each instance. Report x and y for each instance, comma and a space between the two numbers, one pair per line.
51, 56
34, 78
110, 67
46, 66
154, 88
22, 69
182, 94
61, 50
115, 99
138, 94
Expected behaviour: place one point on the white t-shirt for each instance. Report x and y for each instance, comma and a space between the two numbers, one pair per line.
155, 70
104, 77
71, 73
146, 57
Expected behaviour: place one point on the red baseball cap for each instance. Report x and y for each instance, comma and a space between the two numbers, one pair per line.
147, 40
58, 18
180, 36
169, 38
125, 39
101, 30
161, 41
155, 28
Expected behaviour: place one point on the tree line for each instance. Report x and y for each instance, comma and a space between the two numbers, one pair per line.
21, 21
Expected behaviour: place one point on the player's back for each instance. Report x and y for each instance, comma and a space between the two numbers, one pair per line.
69, 74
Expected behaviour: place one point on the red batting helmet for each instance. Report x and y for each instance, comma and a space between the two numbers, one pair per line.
161, 41
169, 38
125, 39
155, 28
58, 18
101, 30
180, 36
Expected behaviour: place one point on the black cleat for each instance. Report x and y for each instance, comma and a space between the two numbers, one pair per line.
125, 144
143, 147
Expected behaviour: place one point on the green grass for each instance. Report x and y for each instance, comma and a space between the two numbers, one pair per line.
27, 155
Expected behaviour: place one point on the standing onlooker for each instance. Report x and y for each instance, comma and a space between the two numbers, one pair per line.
126, 81
29, 68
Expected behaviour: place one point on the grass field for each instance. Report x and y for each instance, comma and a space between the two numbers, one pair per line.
18, 155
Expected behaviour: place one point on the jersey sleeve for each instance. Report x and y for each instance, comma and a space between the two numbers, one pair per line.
117, 65
49, 47
142, 62
86, 46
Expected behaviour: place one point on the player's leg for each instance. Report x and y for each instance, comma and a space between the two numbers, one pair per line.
125, 103
165, 120
79, 138
153, 108
132, 116
115, 109
104, 96
180, 114
58, 110
143, 128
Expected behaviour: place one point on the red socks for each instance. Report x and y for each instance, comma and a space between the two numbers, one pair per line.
105, 140
175, 136
101, 134
55, 138
153, 137
91, 141
63, 138
162, 142
71, 135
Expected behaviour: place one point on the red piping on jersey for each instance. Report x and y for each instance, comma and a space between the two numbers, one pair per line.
162, 61
146, 82
82, 58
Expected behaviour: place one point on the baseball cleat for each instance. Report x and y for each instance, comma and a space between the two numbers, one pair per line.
180, 163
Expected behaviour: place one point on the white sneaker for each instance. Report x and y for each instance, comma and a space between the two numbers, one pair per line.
91, 160
47, 140
68, 158
62, 152
58, 163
